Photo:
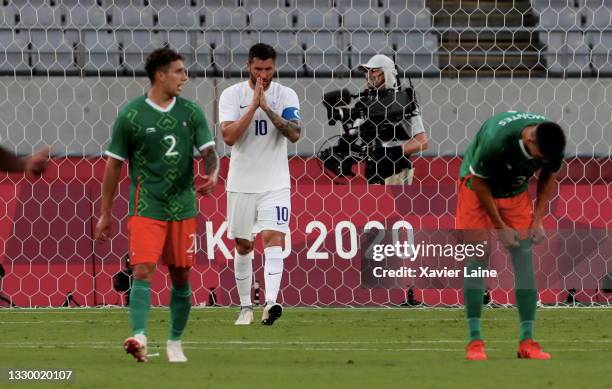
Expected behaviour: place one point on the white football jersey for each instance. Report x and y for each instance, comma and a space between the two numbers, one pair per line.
259, 160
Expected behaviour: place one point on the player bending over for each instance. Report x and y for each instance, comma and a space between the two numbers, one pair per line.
257, 118
507, 150
157, 133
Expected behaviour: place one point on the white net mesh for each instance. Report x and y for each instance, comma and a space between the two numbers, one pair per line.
68, 66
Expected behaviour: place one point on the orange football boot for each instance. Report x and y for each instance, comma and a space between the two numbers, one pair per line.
528, 349
475, 351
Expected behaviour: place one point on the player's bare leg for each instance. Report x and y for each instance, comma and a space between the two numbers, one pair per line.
273, 274
243, 273
140, 304
180, 306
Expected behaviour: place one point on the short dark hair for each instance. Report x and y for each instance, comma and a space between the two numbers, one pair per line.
262, 51
550, 139
160, 59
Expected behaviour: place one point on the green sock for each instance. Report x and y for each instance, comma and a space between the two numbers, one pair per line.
180, 305
473, 293
524, 288
526, 330
474, 329
140, 303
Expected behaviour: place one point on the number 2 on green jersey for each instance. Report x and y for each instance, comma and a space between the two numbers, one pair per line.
171, 152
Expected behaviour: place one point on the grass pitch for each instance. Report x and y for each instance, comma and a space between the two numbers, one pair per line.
312, 348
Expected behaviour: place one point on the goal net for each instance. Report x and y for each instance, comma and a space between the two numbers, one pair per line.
67, 67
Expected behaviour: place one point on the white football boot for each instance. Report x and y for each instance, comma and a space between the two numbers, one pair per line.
174, 350
245, 317
271, 312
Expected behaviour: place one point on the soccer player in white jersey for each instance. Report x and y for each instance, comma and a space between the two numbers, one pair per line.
257, 118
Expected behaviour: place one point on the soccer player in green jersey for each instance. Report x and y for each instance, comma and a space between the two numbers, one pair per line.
507, 150
157, 133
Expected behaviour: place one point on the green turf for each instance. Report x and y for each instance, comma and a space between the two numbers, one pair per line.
314, 348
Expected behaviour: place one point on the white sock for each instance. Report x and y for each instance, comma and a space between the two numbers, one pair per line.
273, 272
243, 273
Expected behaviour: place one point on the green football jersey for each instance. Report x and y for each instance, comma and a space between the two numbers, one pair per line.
159, 146
498, 154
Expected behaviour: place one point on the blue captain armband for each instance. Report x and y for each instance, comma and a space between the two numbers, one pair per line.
291, 113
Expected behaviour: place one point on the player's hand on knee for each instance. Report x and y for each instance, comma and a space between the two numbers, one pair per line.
536, 232
103, 228
509, 237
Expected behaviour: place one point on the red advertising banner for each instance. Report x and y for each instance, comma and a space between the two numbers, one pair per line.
46, 227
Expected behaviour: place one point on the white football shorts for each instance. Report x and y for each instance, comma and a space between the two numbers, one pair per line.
250, 213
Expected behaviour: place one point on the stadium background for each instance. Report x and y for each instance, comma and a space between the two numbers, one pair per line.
67, 67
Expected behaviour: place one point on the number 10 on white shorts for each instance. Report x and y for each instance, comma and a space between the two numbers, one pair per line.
250, 213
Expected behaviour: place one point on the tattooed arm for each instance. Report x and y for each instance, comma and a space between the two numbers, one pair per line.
291, 129
211, 161
211, 169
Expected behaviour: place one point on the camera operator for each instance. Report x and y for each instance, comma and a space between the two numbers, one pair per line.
384, 127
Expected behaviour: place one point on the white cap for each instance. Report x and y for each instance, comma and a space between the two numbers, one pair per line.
378, 61
387, 65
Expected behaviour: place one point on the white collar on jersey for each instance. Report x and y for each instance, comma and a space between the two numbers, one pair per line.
522, 145
161, 109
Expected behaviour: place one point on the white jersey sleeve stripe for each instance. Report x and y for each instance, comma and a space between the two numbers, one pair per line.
476, 174
113, 155
205, 145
